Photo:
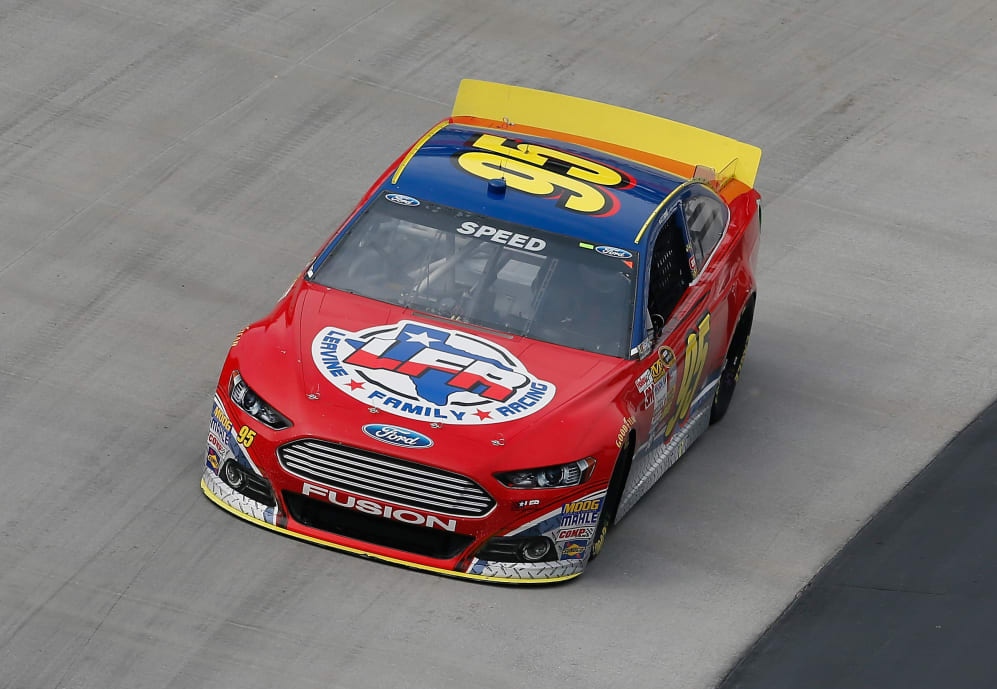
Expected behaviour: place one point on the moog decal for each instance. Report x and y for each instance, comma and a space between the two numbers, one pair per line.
425, 372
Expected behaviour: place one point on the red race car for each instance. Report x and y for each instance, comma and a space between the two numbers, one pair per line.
525, 322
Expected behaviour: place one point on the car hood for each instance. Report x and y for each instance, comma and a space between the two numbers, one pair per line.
485, 399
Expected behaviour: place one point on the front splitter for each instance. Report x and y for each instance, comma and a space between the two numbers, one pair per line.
383, 558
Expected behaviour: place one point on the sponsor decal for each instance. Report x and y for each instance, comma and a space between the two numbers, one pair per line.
644, 381
628, 423
228, 442
492, 234
575, 183
576, 533
666, 355
367, 506
402, 200
581, 513
396, 435
215, 442
430, 373
238, 335
525, 504
220, 423
664, 391
614, 252
212, 459
574, 550
659, 368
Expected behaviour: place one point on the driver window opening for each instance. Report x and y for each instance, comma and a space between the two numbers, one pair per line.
670, 274
706, 220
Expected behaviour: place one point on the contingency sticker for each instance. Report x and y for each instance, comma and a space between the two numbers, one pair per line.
430, 373
571, 526
226, 441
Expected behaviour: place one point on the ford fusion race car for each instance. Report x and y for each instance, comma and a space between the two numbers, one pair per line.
525, 322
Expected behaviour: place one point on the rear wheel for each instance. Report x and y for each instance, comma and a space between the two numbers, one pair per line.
613, 496
733, 363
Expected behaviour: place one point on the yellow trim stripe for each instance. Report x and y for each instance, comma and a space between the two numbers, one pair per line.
607, 123
415, 149
654, 213
384, 558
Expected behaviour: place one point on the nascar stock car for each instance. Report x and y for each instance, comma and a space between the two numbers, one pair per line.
524, 323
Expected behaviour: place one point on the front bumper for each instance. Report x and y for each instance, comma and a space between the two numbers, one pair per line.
568, 522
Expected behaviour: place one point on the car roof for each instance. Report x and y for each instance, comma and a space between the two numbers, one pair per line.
433, 173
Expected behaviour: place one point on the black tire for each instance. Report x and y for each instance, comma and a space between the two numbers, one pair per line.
613, 496
732, 363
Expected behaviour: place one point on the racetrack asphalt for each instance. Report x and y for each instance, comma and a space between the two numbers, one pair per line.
167, 168
911, 601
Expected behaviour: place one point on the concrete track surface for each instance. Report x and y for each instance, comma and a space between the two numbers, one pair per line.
167, 168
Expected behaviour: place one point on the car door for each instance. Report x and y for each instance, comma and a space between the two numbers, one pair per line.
706, 219
682, 306
667, 278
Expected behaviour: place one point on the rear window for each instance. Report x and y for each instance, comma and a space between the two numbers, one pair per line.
474, 269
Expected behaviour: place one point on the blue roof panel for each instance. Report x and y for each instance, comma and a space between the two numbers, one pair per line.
552, 185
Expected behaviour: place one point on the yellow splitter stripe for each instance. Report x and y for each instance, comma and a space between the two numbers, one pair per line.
384, 558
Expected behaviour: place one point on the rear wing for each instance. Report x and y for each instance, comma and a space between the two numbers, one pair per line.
715, 157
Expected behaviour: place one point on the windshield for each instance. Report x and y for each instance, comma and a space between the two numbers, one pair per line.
475, 269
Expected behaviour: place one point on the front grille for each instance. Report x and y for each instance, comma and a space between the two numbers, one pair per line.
420, 540
386, 478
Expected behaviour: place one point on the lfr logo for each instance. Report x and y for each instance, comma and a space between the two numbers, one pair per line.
430, 373
437, 369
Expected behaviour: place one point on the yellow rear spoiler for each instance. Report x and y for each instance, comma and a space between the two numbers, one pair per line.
611, 124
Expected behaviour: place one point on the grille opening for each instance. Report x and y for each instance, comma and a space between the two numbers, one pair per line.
342, 521
383, 477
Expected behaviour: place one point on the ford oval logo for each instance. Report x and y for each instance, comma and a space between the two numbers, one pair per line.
613, 252
402, 200
396, 435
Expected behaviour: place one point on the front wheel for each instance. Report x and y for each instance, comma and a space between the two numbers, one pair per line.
732, 363
613, 496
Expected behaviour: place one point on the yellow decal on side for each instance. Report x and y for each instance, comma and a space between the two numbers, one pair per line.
697, 346
628, 423
246, 436
222, 418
